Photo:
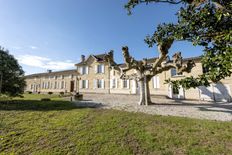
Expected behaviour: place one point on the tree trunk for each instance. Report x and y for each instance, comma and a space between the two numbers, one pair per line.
145, 98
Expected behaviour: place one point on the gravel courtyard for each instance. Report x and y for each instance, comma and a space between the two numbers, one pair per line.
161, 106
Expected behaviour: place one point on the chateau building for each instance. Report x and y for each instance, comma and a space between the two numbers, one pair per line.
56, 82
93, 75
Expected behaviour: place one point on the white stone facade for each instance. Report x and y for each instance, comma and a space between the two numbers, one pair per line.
93, 75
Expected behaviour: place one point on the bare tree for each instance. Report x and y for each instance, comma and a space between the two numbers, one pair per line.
145, 71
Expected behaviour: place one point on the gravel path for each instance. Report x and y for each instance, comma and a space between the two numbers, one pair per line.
162, 106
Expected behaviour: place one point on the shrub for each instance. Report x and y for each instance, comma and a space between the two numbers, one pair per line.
50, 93
39, 92
29, 92
45, 99
4, 97
62, 93
78, 96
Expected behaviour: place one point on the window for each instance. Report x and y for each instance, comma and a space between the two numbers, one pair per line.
58, 85
65, 85
83, 70
84, 84
57, 77
55, 86
43, 85
62, 85
174, 72
113, 83
175, 91
156, 82
99, 68
99, 83
125, 83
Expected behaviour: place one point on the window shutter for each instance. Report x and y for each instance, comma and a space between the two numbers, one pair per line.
87, 70
158, 82
81, 70
116, 83
94, 84
154, 82
128, 84
103, 68
95, 68
87, 84
80, 84
103, 84
111, 83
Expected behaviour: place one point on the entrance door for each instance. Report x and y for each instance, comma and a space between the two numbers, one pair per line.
71, 86
176, 95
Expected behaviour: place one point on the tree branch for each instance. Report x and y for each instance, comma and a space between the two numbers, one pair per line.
163, 48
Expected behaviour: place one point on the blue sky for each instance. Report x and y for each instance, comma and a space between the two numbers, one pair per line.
52, 34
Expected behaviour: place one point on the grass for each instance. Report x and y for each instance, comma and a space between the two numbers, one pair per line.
58, 127
38, 97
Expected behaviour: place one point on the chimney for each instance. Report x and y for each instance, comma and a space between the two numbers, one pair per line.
49, 70
82, 58
111, 54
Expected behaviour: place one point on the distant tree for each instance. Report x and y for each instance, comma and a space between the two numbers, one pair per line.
12, 82
206, 23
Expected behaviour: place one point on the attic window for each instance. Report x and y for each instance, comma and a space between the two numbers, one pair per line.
100, 68
174, 73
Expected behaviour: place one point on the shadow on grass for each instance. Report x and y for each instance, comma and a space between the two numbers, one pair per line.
36, 105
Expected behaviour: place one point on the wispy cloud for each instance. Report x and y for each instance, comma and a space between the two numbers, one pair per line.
33, 47
17, 47
45, 63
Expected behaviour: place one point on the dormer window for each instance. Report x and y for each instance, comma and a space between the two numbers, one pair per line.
174, 72
84, 70
100, 68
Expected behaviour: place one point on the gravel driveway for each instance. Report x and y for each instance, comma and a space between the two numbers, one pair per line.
161, 106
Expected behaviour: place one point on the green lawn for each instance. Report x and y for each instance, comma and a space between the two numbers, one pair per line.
38, 97
58, 127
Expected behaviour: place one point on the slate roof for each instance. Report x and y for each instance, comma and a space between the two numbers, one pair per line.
73, 71
152, 60
99, 58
